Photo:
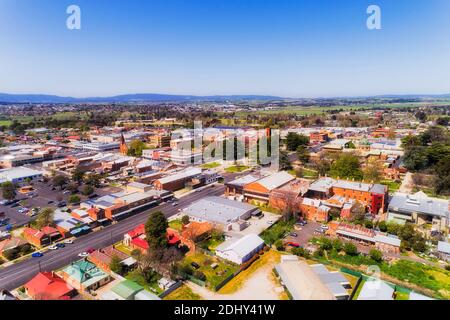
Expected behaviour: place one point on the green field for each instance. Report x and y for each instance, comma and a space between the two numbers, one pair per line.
236, 169
211, 165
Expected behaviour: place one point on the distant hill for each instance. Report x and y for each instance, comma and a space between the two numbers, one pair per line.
142, 97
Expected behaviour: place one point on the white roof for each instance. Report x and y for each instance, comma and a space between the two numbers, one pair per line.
242, 246
443, 247
276, 180
376, 290
18, 173
181, 175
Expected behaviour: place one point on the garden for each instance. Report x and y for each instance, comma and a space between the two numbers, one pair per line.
208, 269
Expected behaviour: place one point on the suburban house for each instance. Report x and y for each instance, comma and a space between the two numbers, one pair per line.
84, 276
128, 290
221, 213
420, 209
259, 191
136, 238
102, 258
13, 243
311, 282
48, 286
240, 250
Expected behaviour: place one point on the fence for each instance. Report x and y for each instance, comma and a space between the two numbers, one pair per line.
171, 289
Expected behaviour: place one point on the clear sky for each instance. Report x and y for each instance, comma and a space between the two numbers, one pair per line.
291, 48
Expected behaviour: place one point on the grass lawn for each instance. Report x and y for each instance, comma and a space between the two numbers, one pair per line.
183, 293
176, 224
5, 123
210, 244
211, 165
277, 231
123, 248
270, 257
149, 286
236, 169
213, 276
392, 185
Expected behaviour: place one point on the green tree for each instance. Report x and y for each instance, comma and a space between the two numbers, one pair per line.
116, 265
285, 164
376, 255
136, 148
350, 249
373, 172
156, 231
279, 245
9, 190
337, 245
44, 218
347, 167
78, 174
382, 226
326, 244
87, 190
74, 199
294, 140
185, 220
59, 181
303, 154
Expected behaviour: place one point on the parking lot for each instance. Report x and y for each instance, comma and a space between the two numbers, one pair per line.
45, 195
304, 233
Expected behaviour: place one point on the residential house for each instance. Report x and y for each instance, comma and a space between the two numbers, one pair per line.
48, 286
84, 276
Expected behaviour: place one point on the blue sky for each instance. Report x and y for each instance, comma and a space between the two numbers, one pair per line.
291, 48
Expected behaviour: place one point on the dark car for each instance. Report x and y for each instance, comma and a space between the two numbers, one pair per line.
293, 234
37, 255
15, 205
195, 265
60, 245
62, 204
90, 250
50, 202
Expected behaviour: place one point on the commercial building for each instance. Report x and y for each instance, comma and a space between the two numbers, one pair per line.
259, 191
240, 250
19, 175
443, 250
221, 212
316, 282
420, 209
177, 181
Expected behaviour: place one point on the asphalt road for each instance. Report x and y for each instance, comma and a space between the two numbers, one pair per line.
18, 274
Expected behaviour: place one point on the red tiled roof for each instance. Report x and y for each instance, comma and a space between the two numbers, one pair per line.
172, 237
47, 286
136, 232
33, 233
140, 243
49, 230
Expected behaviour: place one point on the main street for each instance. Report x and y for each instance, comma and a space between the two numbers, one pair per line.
18, 274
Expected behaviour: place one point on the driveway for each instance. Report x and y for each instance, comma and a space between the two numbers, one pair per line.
407, 184
261, 285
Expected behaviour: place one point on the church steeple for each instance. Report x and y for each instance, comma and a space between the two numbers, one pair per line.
123, 146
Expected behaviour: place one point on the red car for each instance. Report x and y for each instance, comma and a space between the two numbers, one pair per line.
293, 244
90, 250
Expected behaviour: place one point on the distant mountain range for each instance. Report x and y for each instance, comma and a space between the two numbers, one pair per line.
155, 97
141, 97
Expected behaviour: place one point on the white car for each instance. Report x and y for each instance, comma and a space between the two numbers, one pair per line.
68, 241
83, 254
324, 227
53, 248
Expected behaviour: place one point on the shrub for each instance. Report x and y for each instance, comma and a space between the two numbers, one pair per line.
337, 245
301, 252
376, 255
26, 249
185, 220
200, 275
447, 267
279, 245
368, 224
350, 249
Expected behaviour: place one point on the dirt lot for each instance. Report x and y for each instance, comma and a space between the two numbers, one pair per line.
256, 283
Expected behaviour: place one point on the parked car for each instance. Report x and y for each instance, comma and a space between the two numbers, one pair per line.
53, 248
90, 250
60, 245
50, 202
293, 234
61, 204
37, 255
319, 230
174, 204
324, 227
293, 244
195, 265
15, 205
83, 254
68, 241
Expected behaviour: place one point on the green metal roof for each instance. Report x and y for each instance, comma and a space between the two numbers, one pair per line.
127, 289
